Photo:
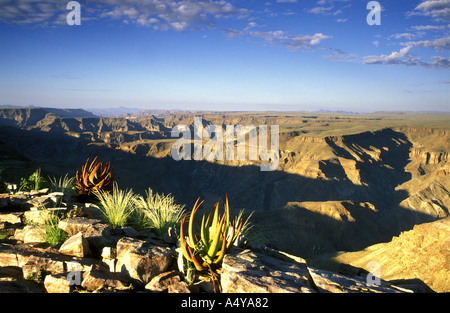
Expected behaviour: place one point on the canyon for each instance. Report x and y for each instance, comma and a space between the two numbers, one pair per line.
344, 181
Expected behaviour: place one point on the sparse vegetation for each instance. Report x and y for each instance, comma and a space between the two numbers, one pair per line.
93, 177
52, 233
117, 205
63, 184
158, 212
34, 182
253, 233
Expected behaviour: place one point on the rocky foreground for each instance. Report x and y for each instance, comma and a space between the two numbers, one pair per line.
96, 258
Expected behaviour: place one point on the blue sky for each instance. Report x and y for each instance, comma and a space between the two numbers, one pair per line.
226, 55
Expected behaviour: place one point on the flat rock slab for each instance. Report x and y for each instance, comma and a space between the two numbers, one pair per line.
11, 218
74, 225
278, 272
329, 282
40, 216
251, 272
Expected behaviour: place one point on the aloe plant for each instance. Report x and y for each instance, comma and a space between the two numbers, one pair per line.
216, 237
94, 176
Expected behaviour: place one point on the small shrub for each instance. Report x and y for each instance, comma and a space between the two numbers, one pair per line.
63, 184
52, 233
34, 182
36, 276
158, 212
252, 232
117, 205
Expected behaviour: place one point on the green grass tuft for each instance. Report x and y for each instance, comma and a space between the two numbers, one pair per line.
117, 205
158, 212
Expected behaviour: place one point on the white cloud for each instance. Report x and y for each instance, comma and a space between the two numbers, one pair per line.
171, 14
428, 27
438, 9
280, 38
433, 5
161, 14
440, 44
400, 57
439, 63
328, 7
403, 35
30, 12
404, 57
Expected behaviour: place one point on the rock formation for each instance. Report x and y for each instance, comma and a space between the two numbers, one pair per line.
96, 258
421, 253
344, 182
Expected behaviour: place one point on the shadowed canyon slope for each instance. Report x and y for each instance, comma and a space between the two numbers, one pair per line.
344, 182
421, 253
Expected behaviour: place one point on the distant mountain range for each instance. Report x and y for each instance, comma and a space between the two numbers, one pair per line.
123, 111
99, 112
64, 113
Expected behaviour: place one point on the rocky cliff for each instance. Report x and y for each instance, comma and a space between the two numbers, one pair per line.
343, 183
421, 253
96, 258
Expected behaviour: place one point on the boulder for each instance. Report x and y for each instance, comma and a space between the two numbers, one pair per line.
74, 225
57, 283
161, 282
19, 201
30, 234
98, 278
275, 271
244, 271
126, 244
15, 254
40, 216
41, 202
97, 234
11, 281
140, 261
76, 245
14, 218
179, 287
7, 229
109, 255
38, 266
